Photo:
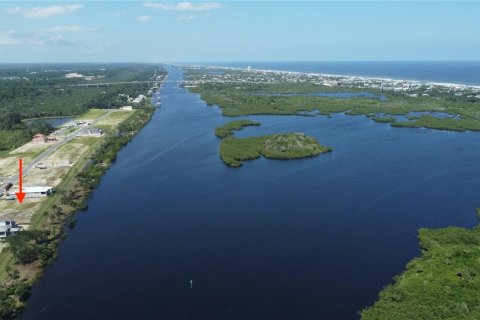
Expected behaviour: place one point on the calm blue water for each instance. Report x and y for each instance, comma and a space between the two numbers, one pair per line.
309, 239
462, 72
55, 122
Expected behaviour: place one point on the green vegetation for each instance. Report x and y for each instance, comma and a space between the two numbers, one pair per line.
92, 114
234, 151
48, 93
248, 100
44, 91
37, 247
14, 132
13, 297
25, 248
430, 122
227, 129
383, 119
443, 283
30, 251
32, 245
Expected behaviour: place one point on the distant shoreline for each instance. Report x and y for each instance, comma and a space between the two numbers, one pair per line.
327, 75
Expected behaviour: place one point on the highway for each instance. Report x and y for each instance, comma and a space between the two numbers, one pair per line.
103, 84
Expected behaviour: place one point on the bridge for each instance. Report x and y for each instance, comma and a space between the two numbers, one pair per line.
107, 84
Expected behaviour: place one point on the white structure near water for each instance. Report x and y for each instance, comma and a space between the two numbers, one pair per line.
8, 228
37, 192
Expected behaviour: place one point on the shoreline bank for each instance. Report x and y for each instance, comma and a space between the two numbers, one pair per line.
21, 271
349, 76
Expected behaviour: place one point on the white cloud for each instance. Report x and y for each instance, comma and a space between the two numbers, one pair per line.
143, 18
184, 18
7, 38
183, 6
119, 13
15, 37
43, 12
62, 29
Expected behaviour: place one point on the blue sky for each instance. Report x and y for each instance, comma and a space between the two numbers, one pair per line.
111, 31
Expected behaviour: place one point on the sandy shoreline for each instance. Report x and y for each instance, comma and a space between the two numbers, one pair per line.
345, 76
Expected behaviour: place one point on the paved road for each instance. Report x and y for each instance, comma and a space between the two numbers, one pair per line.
49, 151
102, 84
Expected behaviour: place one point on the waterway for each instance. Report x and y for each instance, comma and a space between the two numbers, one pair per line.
56, 122
316, 238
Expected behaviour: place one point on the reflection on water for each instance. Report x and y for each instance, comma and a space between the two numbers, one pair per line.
55, 122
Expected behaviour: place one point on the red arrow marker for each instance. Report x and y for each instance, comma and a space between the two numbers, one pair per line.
20, 195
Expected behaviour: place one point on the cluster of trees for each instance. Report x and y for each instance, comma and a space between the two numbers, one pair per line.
228, 128
234, 151
443, 283
17, 291
14, 132
26, 247
48, 93
240, 101
32, 245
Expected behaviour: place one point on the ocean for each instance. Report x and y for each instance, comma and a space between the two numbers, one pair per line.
459, 72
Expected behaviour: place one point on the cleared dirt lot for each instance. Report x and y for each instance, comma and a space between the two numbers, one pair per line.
55, 166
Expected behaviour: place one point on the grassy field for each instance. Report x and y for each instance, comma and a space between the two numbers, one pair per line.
92, 114
114, 119
287, 146
443, 283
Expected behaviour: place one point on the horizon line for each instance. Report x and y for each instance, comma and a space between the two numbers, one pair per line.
237, 61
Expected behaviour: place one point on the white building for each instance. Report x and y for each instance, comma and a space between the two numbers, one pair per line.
92, 132
139, 99
73, 75
127, 108
7, 228
37, 192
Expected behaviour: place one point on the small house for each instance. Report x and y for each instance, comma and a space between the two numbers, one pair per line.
127, 108
39, 138
7, 228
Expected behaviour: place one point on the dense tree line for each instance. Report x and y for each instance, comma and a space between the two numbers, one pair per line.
14, 132
46, 92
